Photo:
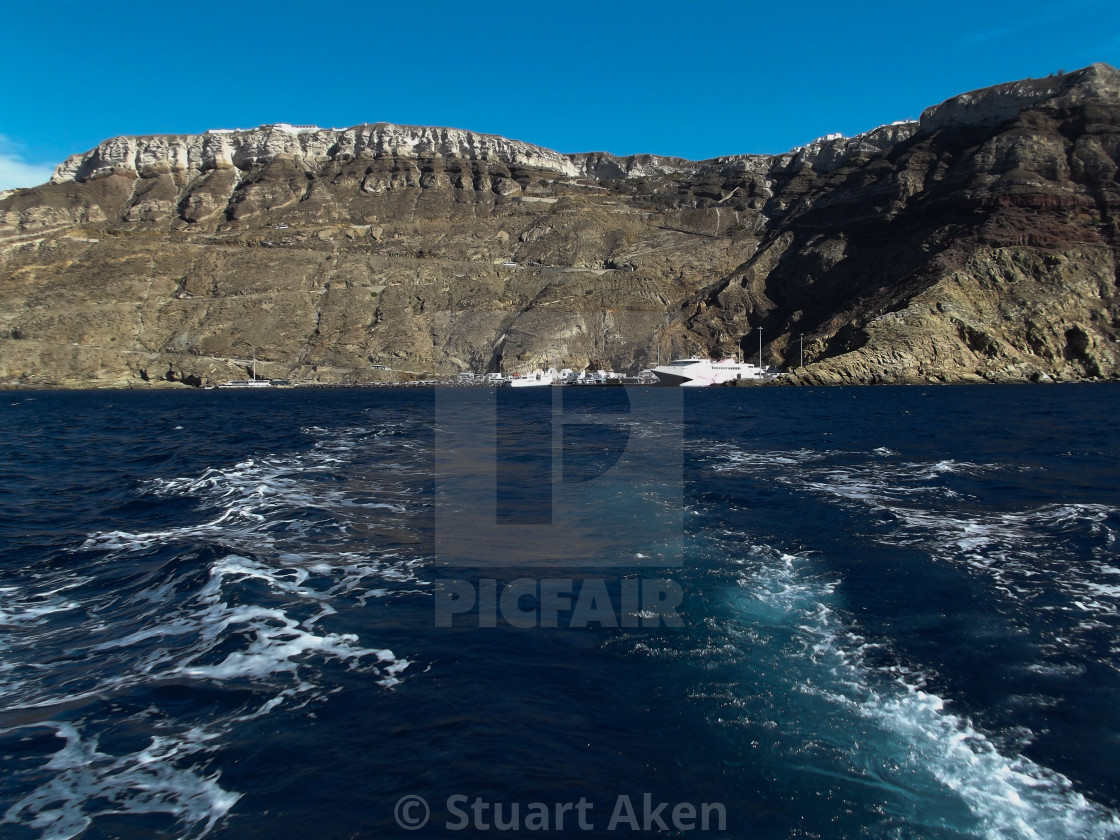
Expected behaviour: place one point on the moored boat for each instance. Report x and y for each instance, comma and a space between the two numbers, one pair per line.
536, 379
247, 383
695, 372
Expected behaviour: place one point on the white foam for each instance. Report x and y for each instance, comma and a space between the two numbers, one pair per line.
256, 617
1010, 796
271, 643
1019, 552
18, 607
87, 783
292, 505
876, 725
731, 459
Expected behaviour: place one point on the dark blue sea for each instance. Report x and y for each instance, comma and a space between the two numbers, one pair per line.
752, 613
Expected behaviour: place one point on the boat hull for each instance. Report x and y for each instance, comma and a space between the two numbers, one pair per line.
665, 378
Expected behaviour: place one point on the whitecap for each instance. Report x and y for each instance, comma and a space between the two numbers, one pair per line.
86, 783
833, 713
246, 598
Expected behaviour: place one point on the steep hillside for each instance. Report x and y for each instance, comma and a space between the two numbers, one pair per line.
978, 243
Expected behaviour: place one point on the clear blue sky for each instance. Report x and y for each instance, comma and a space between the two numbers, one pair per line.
693, 79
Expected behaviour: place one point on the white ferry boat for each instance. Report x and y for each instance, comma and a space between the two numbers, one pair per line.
695, 372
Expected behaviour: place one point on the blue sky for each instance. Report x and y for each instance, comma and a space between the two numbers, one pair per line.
693, 79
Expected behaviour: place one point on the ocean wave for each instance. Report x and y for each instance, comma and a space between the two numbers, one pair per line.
86, 783
836, 705
927, 749
249, 602
1027, 555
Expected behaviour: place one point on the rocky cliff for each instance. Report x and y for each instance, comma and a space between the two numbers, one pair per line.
980, 243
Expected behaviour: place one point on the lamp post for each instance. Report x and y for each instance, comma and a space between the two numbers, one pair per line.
801, 342
760, 349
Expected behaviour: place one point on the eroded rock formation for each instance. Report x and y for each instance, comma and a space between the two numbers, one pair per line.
979, 243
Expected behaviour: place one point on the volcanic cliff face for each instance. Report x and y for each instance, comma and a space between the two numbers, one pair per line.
979, 243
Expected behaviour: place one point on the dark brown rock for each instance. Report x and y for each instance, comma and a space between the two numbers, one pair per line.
978, 245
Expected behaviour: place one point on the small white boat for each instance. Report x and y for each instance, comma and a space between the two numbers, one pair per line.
532, 380
247, 383
254, 382
597, 377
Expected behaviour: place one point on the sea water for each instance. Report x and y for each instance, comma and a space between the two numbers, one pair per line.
876, 613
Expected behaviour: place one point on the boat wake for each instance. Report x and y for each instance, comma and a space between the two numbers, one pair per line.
836, 718
111, 648
1028, 556
837, 714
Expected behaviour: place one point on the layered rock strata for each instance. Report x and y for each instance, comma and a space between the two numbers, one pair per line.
977, 244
